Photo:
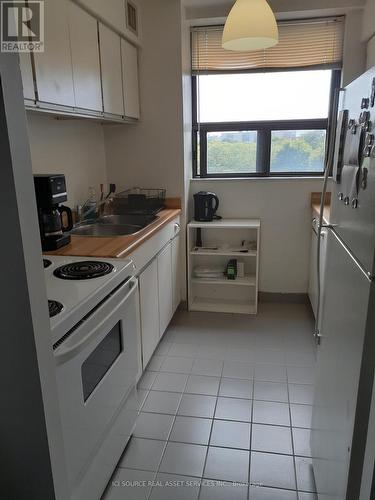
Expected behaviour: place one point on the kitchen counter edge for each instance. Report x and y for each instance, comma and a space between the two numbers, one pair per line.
115, 246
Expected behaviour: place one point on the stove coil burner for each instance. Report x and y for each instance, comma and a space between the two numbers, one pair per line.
55, 308
84, 270
46, 263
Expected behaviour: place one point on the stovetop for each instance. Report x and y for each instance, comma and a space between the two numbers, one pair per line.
71, 299
83, 270
54, 308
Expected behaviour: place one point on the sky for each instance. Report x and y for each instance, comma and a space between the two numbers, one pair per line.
264, 96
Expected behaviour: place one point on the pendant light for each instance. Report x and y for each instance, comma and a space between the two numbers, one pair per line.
251, 25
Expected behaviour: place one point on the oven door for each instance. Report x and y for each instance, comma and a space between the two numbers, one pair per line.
96, 367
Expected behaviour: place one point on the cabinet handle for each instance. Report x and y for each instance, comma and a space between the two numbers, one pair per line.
177, 226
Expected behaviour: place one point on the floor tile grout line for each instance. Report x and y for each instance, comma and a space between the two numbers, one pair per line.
265, 452
211, 479
291, 426
170, 430
253, 380
210, 435
165, 447
285, 381
292, 437
251, 441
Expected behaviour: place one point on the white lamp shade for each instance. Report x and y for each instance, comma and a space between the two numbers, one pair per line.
251, 25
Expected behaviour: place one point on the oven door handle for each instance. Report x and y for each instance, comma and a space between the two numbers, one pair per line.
65, 353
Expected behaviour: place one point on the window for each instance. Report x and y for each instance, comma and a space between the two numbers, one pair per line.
264, 122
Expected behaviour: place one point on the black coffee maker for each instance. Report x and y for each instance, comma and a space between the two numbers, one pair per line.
205, 206
50, 191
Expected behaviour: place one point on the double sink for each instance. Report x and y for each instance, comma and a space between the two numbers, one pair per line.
113, 225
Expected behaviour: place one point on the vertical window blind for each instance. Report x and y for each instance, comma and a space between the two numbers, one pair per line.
313, 43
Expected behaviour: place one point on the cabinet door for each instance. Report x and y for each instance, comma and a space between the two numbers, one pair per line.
176, 272
165, 287
149, 305
130, 82
313, 281
27, 76
110, 56
53, 67
112, 11
83, 30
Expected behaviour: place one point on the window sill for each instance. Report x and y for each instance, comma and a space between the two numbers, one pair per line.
257, 179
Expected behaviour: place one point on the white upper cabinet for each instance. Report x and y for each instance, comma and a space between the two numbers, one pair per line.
83, 30
122, 15
53, 67
110, 55
130, 82
112, 11
27, 76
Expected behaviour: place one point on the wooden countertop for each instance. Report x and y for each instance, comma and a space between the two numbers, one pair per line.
115, 246
326, 212
315, 205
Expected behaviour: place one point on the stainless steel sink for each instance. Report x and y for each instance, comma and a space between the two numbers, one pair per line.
105, 229
114, 225
133, 220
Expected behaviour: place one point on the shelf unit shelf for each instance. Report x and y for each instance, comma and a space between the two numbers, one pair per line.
246, 281
223, 253
239, 296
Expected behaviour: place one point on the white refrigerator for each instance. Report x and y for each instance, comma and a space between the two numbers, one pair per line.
346, 347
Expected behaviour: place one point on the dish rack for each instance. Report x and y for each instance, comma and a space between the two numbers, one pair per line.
139, 201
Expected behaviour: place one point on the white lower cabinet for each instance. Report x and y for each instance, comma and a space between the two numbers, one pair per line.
313, 280
176, 272
159, 287
149, 307
165, 288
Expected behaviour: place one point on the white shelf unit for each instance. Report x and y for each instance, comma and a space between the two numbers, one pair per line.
222, 241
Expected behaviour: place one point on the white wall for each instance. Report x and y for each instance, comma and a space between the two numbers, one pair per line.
370, 61
368, 32
206, 9
284, 207
354, 56
369, 20
71, 147
150, 153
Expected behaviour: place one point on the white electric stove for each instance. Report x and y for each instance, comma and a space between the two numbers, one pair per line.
95, 326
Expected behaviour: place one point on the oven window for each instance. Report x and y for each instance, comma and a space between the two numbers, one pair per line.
101, 360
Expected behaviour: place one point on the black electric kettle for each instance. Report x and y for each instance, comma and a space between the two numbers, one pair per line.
205, 206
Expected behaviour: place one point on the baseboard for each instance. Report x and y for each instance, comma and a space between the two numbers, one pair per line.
182, 306
289, 298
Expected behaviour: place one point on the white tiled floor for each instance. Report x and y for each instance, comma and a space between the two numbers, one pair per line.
225, 398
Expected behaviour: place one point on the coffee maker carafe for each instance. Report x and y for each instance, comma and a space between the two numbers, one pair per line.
50, 190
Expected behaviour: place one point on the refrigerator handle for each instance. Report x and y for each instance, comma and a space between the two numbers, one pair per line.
370, 277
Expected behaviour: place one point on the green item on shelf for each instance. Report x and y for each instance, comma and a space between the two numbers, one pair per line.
231, 272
